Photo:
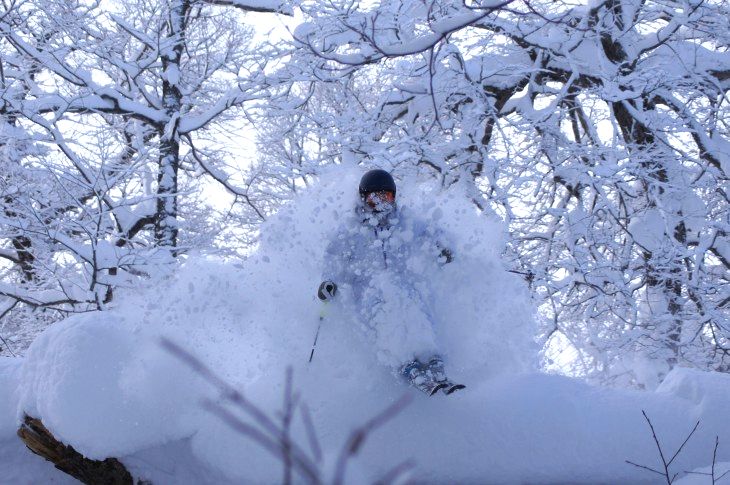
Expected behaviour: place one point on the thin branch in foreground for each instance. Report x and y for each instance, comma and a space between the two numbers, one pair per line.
396, 473
645, 467
358, 435
665, 464
274, 436
311, 433
290, 402
714, 464
269, 434
697, 424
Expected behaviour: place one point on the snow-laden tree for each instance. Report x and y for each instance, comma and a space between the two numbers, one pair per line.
306, 127
36, 203
122, 106
599, 132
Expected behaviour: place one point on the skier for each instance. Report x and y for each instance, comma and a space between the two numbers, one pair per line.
381, 256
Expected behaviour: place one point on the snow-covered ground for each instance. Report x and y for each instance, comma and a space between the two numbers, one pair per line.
532, 428
104, 383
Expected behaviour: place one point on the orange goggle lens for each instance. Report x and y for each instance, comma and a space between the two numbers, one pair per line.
381, 196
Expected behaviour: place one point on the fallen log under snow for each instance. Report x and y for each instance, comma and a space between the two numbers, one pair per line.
64, 457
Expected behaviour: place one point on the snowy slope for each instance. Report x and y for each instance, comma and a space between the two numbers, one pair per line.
103, 383
525, 428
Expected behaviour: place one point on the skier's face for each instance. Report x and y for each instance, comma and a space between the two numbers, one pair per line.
380, 201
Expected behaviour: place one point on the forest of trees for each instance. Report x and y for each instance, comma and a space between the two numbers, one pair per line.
599, 133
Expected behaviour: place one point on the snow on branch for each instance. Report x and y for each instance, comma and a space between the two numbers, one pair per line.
368, 41
42, 298
273, 6
234, 97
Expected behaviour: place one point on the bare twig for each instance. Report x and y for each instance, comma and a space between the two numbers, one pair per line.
659, 447
644, 467
265, 441
276, 437
684, 443
271, 436
311, 433
665, 464
395, 473
287, 416
714, 458
714, 464
358, 436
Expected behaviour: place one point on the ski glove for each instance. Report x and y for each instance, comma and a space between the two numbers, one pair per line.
327, 290
446, 256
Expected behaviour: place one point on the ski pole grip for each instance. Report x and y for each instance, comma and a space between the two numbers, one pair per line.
324, 310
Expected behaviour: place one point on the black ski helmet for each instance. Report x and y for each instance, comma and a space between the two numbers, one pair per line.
375, 181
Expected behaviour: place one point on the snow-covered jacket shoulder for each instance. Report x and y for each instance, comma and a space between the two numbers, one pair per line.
364, 246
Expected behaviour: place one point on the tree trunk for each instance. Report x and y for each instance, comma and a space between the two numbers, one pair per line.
166, 229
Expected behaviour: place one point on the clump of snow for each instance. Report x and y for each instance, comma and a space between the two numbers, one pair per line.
103, 383
648, 229
707, 391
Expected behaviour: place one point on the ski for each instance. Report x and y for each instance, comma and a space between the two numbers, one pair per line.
431, 388
449, 387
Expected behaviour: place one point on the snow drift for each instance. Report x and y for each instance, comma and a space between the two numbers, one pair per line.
103, 383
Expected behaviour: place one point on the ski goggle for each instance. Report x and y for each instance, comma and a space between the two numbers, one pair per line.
381, 196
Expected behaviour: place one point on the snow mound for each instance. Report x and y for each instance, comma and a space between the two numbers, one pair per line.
702, 388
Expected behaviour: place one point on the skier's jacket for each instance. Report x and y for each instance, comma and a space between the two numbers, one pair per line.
383, 265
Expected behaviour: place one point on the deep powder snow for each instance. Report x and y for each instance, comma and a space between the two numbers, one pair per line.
103, 383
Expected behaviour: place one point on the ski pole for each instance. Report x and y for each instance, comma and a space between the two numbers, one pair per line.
322, 314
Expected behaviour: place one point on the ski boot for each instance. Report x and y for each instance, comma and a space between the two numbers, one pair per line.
435, 370
415, 373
